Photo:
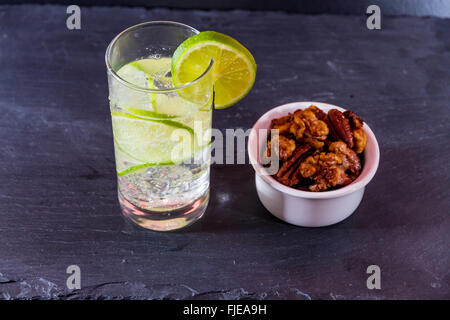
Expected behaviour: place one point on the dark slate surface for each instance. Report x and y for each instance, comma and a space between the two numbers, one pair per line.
436, 8
58, 191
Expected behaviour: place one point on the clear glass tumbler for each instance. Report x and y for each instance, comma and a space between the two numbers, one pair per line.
161, 132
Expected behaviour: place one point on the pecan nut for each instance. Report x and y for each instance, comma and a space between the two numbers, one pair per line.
340, 127
285, 174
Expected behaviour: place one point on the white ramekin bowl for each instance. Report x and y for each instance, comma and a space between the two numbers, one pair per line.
305, 208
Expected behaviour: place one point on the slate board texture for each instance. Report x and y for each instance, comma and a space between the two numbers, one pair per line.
58, 203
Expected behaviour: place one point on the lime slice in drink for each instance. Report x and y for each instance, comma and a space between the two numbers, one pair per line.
135, 74
158, 67
234, 68
144, 73
155, 71
152, 73
124, 96
151, 142
173, 106
169, 104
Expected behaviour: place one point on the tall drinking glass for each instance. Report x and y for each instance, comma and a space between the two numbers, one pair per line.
161, 132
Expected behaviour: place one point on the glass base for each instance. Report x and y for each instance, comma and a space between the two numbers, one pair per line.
165, 220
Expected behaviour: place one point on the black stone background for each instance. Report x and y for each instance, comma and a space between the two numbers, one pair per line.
435, 8
58, 203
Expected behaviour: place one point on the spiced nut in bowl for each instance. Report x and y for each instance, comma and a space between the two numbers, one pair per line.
326, 160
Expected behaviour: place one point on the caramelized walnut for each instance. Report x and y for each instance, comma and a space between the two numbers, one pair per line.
316, 144
316, 128
316, 162
308, 128
330, 177
350, 160
297, 129
325, 170
309, 167
318, 112
282, 124
282, 146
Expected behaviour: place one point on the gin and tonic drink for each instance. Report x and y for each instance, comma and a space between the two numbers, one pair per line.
161, 78
161, 131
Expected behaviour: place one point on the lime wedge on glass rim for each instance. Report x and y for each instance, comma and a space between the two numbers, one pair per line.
234, 67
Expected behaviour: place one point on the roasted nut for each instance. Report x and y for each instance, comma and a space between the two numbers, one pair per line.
326, 171
315, 143
319, 185
340, 127
285, 173
337, 177
309, 166
282, 146
350, 160
330, 177
354, 120
297, 129
318, 112
359, 135
329, 159
316, 128
360, 139
308, 128
319, 129
282, 124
